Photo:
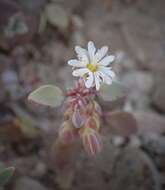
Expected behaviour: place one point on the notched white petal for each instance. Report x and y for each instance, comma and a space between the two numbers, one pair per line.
97, 81
107, 80
91, 50
75, 63
101, 53
80, 72
107, 71
82, 54
110, 73
89, 80
107, 60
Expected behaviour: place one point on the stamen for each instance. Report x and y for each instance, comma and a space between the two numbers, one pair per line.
92, 67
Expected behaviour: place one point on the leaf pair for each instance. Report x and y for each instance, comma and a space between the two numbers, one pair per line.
51, 95
5, 175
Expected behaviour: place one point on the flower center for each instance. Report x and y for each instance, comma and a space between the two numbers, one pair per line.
92, 67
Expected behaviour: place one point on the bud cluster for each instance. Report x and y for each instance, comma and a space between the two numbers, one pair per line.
82, 118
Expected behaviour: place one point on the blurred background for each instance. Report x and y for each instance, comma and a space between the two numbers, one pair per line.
37, 37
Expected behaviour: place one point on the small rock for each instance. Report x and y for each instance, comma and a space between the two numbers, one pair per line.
78, 38
139, 85
149, 123
57, 16
32, 6
71, 5
118, 140
155, 144
9, 76
159, 95
40, 169
26, 183
134, 142
135, 169
11, 7
11, 84
121, 123
123, 62
139, 81
77, 22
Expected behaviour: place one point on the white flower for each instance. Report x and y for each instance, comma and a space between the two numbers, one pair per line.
92, 65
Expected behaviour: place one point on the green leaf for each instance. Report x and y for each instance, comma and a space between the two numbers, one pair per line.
48, 95
57, 16
5, 175
112, 92
16, 26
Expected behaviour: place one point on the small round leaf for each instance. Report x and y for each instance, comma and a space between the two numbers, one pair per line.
48, 95
112, 92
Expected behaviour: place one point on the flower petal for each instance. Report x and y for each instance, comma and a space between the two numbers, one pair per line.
105, 78
80, 72
101, 53
76, 63
91, 50
107, 60
89, 81
97, 80
107, 71
82, 54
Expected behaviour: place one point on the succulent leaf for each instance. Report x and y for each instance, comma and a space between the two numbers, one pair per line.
48, 95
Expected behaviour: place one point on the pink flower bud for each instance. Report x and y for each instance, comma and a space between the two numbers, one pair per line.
77, 119
91, 141
67, 132
97, 108
93, 122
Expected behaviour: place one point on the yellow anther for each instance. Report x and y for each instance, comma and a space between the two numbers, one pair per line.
92, 67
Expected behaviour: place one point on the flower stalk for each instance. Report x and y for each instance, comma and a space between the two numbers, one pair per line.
81, 111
